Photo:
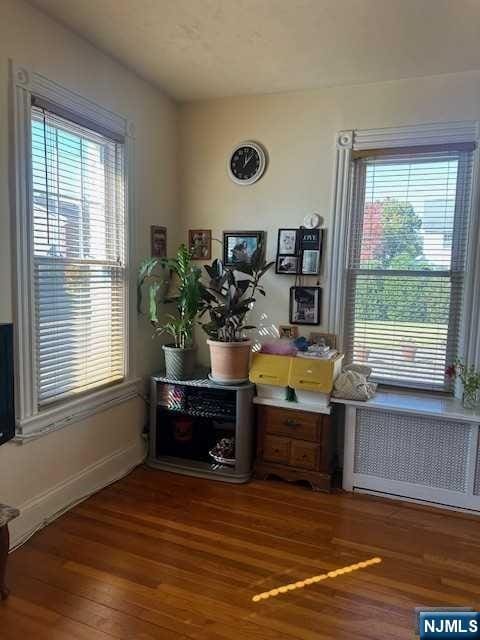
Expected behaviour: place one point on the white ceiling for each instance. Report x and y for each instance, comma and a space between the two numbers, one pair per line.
196, 49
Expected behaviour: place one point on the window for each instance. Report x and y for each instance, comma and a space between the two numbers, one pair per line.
74, 308
79, 269
406, 262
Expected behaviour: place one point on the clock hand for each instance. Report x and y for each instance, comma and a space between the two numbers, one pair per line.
247, 160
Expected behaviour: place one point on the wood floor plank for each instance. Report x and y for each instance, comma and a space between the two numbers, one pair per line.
161, 556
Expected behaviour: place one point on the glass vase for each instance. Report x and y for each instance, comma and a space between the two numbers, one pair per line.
470, 399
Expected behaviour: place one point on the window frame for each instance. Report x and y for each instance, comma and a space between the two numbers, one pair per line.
457, 257
420, 136
32, 421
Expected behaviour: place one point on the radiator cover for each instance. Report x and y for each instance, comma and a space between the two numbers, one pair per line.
476, 489
413, 449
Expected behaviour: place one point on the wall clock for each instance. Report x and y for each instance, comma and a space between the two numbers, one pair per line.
247, 162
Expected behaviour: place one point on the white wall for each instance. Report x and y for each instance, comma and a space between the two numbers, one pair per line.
298, 130
42, 475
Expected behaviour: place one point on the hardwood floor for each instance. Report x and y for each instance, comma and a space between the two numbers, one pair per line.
166, 556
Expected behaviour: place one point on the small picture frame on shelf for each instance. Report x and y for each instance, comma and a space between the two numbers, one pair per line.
305, 305
239, 246
287, 242
288, 331
158, 241
287, 264
200, 243
324, 339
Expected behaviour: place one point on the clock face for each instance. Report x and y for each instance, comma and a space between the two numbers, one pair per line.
247, 163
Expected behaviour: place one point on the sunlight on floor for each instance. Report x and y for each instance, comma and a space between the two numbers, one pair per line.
314, 579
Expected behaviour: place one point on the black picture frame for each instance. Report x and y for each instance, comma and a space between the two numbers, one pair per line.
287, 265
284, 248
310, 249
305, 305
304, 248
244, 243
158, 241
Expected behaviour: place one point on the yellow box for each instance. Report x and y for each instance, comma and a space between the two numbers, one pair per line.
311, 374
270, 369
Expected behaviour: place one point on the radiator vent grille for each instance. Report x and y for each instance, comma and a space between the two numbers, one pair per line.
476, 489
405, 448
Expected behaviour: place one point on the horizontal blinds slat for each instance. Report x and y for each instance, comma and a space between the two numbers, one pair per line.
79, 257
64, 392
406, 263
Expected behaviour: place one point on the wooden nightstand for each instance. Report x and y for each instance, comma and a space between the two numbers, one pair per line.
295, 445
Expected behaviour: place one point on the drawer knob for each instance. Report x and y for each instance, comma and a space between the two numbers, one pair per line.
291, 423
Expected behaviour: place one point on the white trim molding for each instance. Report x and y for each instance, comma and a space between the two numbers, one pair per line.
338, 238
68, 413
394, 137
47, 506
25, 84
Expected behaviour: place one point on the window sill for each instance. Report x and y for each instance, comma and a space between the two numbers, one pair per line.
416, 403
70, 412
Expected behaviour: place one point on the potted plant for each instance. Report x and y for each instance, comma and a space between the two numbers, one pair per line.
180, 353
409, 350
226, 300
470, 379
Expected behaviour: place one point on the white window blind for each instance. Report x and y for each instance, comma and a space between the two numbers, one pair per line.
406, 263
78, 257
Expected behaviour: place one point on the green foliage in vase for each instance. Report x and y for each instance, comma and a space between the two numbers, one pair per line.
468, 376
230, 295
187, 297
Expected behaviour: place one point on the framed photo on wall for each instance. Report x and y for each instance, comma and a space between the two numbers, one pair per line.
287, 242
287, 264
305, 305
239, 246
158, 242
288, 260
200, 243
311, 250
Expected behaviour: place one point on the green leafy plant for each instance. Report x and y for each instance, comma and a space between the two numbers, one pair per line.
230, 295
187, 298
469, 377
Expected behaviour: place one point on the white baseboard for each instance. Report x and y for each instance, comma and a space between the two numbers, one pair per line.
45, 507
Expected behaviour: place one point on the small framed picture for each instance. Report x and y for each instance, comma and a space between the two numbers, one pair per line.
239, 246
200, 243
305, 305
324, 339
158, 242
287, 242
287, 331
311, 250
287, 264
311, 262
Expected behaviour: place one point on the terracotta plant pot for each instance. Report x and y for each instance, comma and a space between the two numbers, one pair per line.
230, 361
409, 351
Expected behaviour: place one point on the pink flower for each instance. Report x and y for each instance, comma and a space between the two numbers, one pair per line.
451, 371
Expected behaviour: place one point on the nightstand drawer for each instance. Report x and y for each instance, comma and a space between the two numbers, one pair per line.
293, 424
304, 454
276, 449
